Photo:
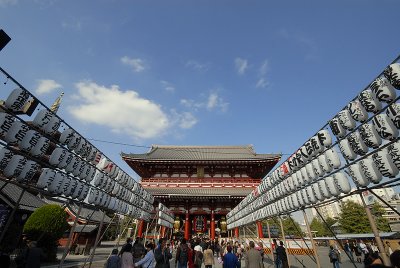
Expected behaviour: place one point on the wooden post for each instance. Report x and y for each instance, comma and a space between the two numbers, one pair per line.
187, 225
97, 239
312, 239
284, 240
71, 233
270, 242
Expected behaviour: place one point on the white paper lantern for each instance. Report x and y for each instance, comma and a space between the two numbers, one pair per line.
316, 145
346, 120
323, 189
5, 157
369, 101
65, 186
77, 190
305, 196
42, 119
6, 121
317, 192
40, 148
14, 166
383, 90
392, 73
357, 144
323, 163
394, 152
341, 182
28, 171
91, 174
324, 138
370, 170
295, 201
295, 181
30, 140
66, 160
358, 175
370, 136
310, 195
99, 178
317, 168
45, 178
17, 99
347, 151
384, 163
74, 142
385, 127
336, 128
53, 126
305, 176
93, 195
66, 136
393, 112
84, 192
57, 156
357, 111
331, 186
16, 133
310, 172
55, 185
71, 187
81, 146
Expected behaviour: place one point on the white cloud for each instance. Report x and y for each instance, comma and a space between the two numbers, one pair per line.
212, 102
187, 120
196, 65
122, 111
136, 64
4, 3
241, 65
262, 74
262, 83
264, 68
168, 86
46, 86
72, 24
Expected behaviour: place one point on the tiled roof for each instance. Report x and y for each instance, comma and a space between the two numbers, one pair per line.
171, 152
12, 193
82, 228
218, 192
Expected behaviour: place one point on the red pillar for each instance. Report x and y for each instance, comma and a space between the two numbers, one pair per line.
259, 229
212, 225
140, 228
162, 233
237, 232
187, 225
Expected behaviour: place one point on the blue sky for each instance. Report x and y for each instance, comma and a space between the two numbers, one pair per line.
198, 72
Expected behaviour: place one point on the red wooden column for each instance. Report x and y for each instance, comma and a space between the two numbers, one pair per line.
259, 229
237, 232
212, 225
187, 225
162, 233
140, 228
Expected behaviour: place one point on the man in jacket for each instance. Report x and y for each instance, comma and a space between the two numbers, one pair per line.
253, 257
162, 254
182, 255
230, 260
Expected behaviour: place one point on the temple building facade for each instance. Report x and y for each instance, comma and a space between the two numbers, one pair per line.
200, 184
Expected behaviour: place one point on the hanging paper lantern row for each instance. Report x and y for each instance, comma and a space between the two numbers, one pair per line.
164, 223
166, 217
392, 73
17, 166
17, 99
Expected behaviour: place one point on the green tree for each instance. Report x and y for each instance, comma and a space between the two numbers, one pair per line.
46, 226
318, 227
353, 218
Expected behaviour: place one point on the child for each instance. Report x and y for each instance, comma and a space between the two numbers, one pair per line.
114, 261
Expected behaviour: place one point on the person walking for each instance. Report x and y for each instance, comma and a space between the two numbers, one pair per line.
162, 254
208, 257
114, 261
388, 249
229, 260
334, 256
253, 257
348, 250
182, 255
126, 256
281, 256
148, 259
138, 250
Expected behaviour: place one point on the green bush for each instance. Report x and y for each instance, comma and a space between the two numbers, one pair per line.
46, 226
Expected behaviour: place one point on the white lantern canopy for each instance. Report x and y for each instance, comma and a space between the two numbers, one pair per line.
30, 140
336, 128
42, 119
73, 164
6, 121
310, 195
347, 151
295, 201
5, 157
311, 172
323, 163
384, 163
66, 160
304, 175
392, 73
17, 99
305, 196
91, 174
358, 175
295, 180
333, 158
317, 168
14, 166
370, 170
369, 101
324, 138
331, 186
54, 186
80, 165
53, 126
385, 127
92, 154
64, 188
383, 90
84, 193
357, 111
99, 178
67, 136
45, 178
316, 145
341, 182
71, 187
93, 195
393, 112
77, 190
346, 120
357, 144
28, 171
317, 192
40, 148
370, 136
323, 189
74, 142
394, 152
16, 133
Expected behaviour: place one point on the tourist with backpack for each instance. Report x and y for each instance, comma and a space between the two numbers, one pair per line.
182, 255
162, 254
334, 257
198, 257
